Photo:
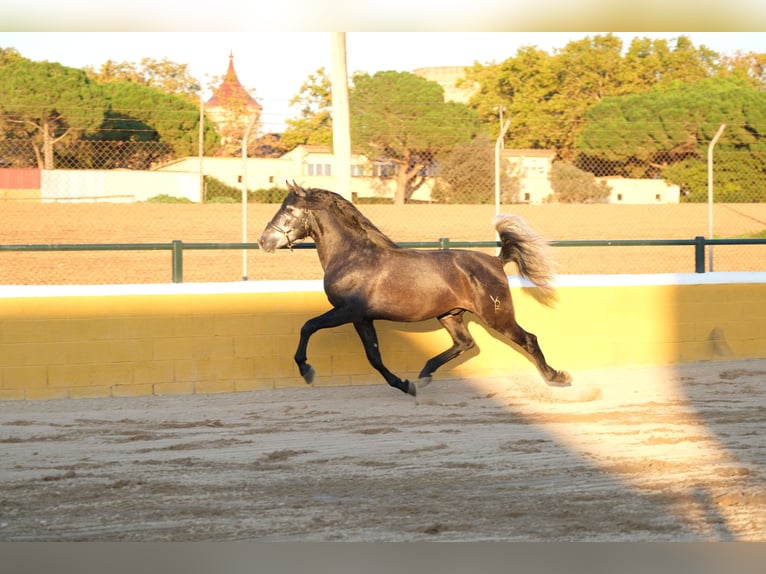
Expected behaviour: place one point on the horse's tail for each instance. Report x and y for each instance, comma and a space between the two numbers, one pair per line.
522, 246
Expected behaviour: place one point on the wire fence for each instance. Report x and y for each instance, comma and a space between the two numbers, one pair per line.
564, 195
85, 154
459, 174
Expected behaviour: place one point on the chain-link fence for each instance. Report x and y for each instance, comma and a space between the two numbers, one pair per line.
84, 154
453, 196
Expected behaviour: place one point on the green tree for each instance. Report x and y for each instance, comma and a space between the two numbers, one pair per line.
45, 102
666, 132
651, 62
314, 126
585, 71
521, 86
573, 185
142, 113
468, 175
738, 177
10, 55
547, 96
401, 118
750, 67
165, 75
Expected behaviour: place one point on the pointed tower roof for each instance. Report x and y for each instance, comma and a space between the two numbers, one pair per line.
231, 90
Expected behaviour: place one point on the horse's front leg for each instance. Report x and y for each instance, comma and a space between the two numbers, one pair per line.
369, 337
333, 318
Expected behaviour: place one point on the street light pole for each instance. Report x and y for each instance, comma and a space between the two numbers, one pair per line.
710, 192
245, 139
499, 146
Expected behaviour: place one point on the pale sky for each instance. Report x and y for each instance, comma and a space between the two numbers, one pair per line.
275, 64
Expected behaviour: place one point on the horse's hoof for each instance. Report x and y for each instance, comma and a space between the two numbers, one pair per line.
308, 374
422, 382
412, 388
562, 378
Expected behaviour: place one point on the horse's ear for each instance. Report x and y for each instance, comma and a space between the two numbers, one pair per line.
299, 191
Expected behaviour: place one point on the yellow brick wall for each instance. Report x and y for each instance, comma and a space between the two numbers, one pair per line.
73, 346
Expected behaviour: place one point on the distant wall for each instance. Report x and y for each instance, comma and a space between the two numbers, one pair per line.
181, 179
76, 341
19, 184
265, 173
65, 185
624, 190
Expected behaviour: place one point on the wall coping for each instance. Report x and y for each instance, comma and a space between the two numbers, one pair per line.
315, 285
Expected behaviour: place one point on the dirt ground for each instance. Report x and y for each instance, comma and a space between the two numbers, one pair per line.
29, 223
637, 454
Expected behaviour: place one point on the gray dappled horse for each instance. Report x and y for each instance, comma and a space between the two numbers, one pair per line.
368, 277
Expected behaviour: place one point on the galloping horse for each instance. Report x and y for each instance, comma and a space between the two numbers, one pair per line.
368, 277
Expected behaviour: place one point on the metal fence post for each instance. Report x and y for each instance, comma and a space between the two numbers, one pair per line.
178, 261
699, 254
444, 243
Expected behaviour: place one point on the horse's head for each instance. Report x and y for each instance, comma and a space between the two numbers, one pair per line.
290, 224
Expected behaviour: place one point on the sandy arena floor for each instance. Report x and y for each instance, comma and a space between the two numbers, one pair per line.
624, 455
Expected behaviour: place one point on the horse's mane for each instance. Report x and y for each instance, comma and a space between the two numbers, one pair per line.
351, 218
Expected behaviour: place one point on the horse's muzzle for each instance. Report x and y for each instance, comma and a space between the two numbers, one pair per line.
269, 242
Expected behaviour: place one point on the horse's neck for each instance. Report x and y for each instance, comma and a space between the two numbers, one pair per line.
334, 239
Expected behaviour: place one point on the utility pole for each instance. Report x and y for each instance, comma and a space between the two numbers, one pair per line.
341, 123
201, 144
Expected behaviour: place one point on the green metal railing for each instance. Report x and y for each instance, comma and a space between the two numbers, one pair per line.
178, 247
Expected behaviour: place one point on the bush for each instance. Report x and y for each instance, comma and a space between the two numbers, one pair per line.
573, 185
217, 191
737, 178
165, 198
468, 175
271, 195
371, 200
223, 199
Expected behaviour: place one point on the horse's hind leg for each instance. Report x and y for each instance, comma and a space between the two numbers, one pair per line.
505, 323
461, 342
528, 342
369, 337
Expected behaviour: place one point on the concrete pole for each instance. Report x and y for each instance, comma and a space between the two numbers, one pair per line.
341, 123
201, 145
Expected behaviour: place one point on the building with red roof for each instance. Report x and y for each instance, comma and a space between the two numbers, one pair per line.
231, 108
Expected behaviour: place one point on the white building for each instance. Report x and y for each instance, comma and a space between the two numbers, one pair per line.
308, 165
533, 168
312, 166
641, 190
231, 108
